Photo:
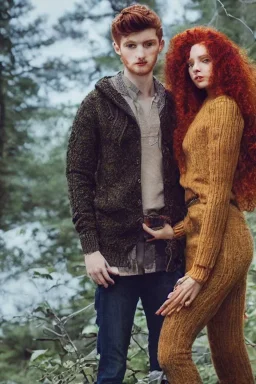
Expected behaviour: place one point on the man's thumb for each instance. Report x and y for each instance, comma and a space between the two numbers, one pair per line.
113, 270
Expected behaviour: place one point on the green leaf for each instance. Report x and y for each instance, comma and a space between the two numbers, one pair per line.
38, 353
46, 276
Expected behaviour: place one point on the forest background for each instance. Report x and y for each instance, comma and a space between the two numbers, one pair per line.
47, 319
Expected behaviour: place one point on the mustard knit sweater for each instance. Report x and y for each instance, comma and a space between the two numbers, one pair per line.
211, 147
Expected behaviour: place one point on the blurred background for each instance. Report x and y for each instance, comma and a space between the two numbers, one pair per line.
51, 55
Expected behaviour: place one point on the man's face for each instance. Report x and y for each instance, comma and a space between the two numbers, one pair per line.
139, 51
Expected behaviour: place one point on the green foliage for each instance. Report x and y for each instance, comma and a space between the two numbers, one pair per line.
57, 343
67, 352
19, 88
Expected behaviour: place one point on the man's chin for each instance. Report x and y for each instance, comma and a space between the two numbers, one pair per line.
142, 71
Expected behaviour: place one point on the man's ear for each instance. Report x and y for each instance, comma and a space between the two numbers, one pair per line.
161, 45
116, 48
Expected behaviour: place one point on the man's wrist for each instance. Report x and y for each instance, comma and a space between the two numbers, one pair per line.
86, 255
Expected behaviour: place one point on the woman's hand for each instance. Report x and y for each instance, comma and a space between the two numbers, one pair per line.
185, 291
165, 233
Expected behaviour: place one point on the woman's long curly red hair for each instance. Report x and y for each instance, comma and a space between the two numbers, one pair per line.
233, 75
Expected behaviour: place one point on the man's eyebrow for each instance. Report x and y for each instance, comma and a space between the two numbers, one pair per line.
136, 42
130, 42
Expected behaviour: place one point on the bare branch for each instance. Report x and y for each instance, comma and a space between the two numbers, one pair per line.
214, 15
236, 18
65, 319
52, 331
250, 343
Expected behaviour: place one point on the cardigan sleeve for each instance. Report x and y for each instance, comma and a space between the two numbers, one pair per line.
224, 137
82, 161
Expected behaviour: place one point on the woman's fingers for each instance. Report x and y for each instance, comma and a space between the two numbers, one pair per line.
173, 300
186, 297
181, 305
172, 304
165, 233
192, 296
163, 306
148, 230
185, 292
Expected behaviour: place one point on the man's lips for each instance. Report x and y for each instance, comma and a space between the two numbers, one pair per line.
141, 63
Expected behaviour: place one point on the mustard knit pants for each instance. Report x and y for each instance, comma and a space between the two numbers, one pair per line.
219, 305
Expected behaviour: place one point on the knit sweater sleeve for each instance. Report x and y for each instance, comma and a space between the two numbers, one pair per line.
224, 137
82, 160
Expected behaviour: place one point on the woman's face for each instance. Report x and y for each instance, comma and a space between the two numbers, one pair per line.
200, 67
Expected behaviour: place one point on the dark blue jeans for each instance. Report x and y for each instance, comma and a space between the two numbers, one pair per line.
116, 306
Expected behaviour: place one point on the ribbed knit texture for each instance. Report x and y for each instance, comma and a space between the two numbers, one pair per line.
218, 253
211, 148
178, 230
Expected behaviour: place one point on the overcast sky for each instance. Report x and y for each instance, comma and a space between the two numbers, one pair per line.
56, 8
53, 8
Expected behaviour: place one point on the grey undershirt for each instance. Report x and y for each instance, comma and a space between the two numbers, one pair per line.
152, 187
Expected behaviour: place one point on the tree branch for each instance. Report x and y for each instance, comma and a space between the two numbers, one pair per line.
236, 18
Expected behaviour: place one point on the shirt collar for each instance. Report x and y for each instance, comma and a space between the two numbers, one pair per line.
126, 88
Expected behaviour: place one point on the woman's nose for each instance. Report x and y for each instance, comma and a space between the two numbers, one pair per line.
196, 67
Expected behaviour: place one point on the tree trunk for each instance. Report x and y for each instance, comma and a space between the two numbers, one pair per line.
2, 114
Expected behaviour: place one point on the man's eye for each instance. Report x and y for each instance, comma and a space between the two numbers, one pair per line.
149, 44
130, 45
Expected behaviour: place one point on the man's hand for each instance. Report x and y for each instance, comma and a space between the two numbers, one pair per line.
185, 291
98, 269
166, 233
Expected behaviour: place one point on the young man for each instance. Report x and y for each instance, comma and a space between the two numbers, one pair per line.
121, 173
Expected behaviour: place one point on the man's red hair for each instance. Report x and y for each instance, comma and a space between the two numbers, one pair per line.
135, 18
233, 75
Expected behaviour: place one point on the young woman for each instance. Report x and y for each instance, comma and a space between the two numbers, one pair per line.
214, 87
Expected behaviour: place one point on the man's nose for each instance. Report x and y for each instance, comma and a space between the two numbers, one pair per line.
140, 53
